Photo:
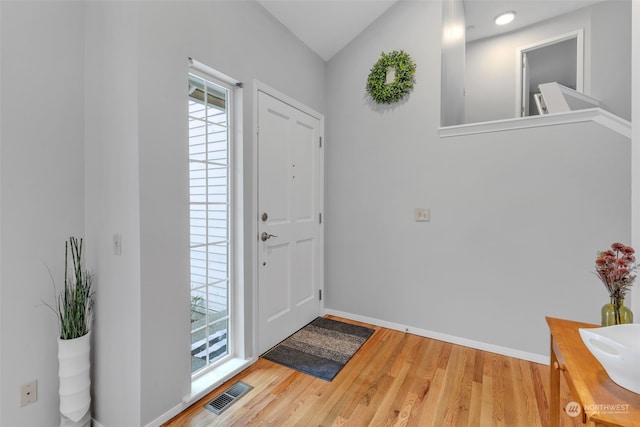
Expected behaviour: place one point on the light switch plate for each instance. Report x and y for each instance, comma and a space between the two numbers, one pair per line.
423, 215
117, 244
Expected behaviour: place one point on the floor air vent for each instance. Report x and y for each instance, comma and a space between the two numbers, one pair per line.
227, 397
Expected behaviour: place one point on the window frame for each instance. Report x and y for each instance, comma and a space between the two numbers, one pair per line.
234, 213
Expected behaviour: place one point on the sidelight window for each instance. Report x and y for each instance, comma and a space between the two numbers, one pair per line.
211, 245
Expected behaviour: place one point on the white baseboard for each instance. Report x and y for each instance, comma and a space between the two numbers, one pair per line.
479, 345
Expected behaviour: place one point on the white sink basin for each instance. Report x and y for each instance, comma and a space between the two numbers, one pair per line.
617, 348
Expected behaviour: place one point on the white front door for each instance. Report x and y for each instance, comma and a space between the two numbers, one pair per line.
290, 239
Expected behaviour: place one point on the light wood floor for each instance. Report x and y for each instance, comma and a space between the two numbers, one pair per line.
395, 379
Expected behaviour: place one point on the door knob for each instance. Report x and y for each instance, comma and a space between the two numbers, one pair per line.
266, 236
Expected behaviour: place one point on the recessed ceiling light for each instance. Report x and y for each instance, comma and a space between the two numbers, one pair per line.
504, 18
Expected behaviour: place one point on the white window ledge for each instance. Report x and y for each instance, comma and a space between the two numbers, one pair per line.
215, 377
597, 115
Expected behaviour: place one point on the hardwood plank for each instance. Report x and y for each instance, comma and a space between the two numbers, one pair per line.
395, 379
486, 411
430, 380
403, 387
498, 391
525, 387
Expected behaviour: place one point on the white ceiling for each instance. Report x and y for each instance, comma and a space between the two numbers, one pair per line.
481, 13
326, 26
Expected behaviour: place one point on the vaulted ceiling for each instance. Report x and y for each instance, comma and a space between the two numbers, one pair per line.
327, 26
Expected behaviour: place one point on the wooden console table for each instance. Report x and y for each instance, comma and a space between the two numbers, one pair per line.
601, 401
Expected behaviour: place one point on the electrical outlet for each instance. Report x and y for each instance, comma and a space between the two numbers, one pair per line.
28, 393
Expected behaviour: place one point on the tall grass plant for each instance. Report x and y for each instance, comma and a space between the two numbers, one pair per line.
74, 303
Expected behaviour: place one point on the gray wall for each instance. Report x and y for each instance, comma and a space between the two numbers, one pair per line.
41, 192
113, 206
453, 63
516, 217
611, 56
490, 78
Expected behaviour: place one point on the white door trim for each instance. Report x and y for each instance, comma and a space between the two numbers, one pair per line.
578, 35
259, 86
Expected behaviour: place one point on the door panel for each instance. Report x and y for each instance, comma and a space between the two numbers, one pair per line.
304, 173
302, 272
277, 276
289, 193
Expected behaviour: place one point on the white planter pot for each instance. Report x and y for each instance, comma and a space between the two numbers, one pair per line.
75, 380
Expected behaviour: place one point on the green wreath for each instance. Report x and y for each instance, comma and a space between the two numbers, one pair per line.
387, 93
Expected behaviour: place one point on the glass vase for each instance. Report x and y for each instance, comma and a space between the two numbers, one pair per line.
616, 313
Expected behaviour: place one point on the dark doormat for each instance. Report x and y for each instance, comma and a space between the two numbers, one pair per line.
321, 348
